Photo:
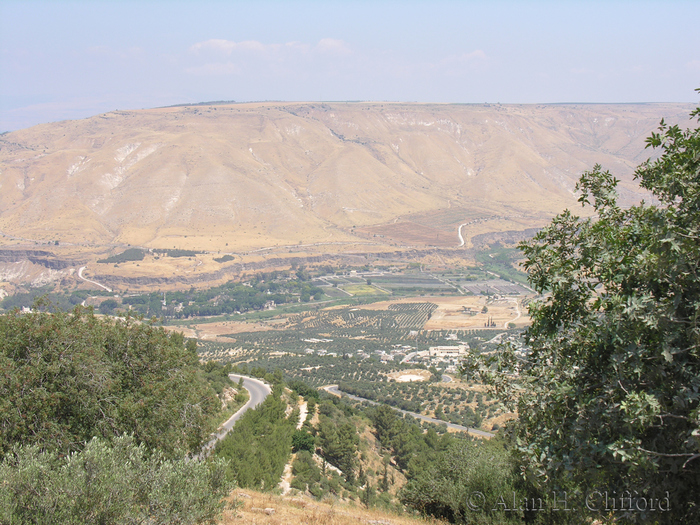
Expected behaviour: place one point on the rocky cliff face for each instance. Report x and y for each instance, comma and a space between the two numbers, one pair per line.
40, 257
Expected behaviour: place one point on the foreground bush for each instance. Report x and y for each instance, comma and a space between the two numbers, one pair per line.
470, 482
116, 483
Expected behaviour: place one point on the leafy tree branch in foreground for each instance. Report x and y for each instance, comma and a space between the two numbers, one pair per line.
608, 398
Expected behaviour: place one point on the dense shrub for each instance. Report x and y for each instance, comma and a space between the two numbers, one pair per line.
67, 377
259, 445
117, 482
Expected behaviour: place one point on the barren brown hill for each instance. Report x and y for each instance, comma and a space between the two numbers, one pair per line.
240, 177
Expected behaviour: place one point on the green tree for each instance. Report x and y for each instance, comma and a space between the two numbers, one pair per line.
467, 483
384, 419
338, 443
384, 483
191, 346
67, 377
302, 440
259, 445
107, 307
305, 471
608, 397
435, 376
369, 495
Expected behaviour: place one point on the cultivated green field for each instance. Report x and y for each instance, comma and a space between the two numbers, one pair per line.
363, 289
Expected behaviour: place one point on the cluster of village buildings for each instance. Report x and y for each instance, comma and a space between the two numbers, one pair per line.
448, 357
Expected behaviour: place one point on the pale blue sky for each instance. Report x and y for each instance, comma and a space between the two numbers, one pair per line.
64, 60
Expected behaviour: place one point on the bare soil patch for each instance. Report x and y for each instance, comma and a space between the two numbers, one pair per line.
217, 331
460, 313
406, 376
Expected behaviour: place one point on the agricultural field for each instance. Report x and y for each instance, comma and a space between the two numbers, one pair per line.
395, 316
362, 327
414, 282
478, 312
466, 404
503, 262
363, 289
366, 349
373, 328
385, 330
496, 286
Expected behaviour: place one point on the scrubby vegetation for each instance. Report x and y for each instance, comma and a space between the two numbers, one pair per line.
259, 446
96, 417
70, 376
131, 254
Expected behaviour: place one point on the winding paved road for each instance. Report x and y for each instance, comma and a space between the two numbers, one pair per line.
481, 433
459, 234
80, 274
258, 392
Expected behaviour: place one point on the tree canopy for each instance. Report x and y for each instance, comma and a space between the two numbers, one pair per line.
109, 482
68, 377
607, 398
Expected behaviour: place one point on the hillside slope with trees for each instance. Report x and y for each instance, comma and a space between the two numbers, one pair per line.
96, 419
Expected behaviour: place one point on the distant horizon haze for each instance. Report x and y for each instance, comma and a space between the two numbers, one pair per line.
66, 60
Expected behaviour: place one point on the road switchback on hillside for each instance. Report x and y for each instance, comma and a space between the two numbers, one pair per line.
258, 392
80, 274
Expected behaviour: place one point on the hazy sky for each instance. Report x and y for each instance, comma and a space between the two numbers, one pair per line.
64, 60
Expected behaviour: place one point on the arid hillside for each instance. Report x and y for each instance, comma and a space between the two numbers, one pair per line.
300, 176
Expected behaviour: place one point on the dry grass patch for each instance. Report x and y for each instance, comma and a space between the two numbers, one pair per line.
217, 331
263, 508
